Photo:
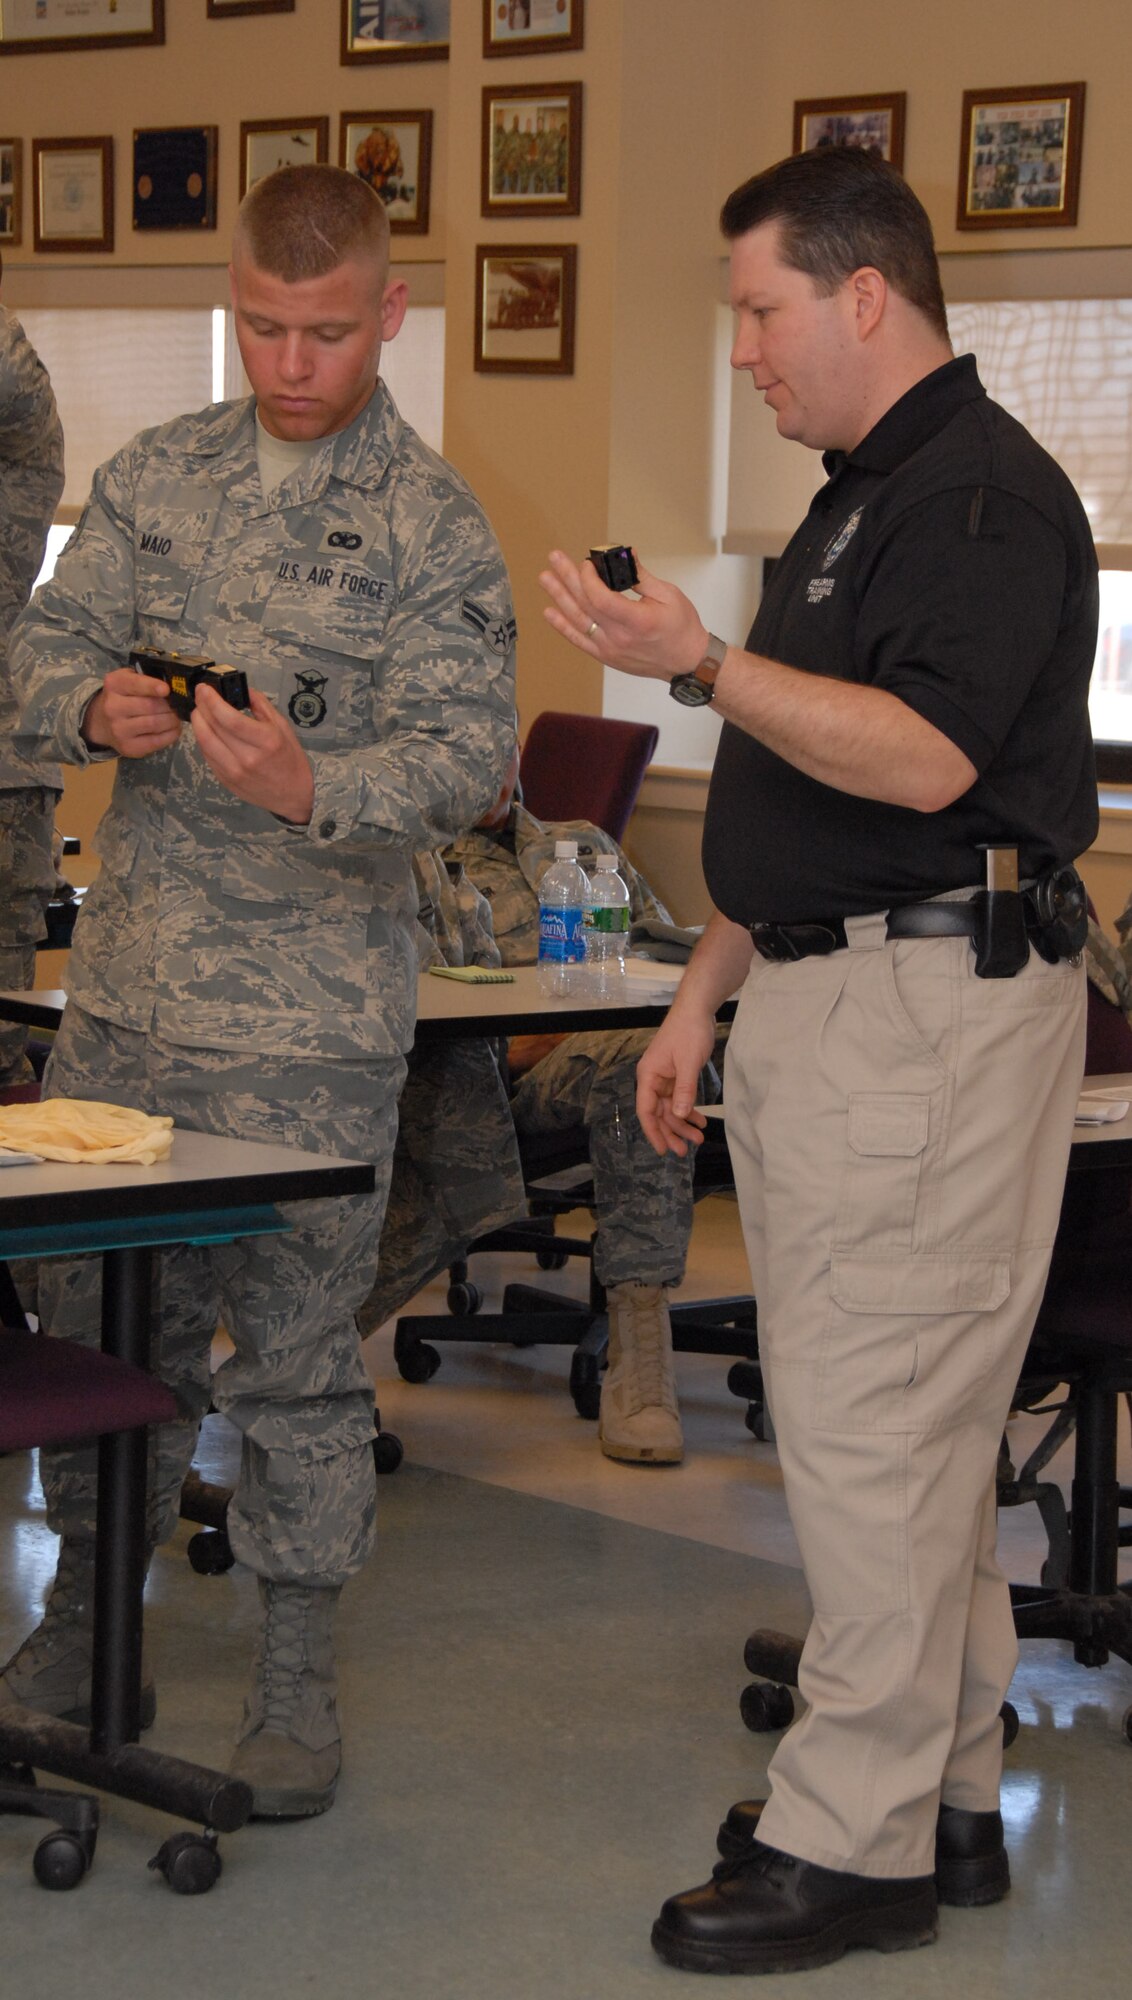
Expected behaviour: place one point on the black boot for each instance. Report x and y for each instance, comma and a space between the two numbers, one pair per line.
770, 1912
971, 1864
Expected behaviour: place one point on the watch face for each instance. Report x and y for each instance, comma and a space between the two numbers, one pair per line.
690, 691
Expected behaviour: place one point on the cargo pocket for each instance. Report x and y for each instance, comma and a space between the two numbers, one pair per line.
909, 1339
887, 1133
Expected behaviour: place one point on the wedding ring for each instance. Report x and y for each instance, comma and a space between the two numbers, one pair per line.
591, 628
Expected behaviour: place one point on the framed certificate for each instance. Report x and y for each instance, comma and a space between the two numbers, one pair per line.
73, 184
29, 27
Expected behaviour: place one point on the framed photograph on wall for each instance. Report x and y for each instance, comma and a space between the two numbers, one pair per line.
11, 190
392, 150
1020, 157
874, 123
31, 27
73, 193
267, 143
376, 31
531, 27
175, 177
218, 10
531, 150
525, 301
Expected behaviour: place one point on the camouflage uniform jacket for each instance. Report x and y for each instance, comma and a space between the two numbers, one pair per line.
509, 865
368, 599
31, 480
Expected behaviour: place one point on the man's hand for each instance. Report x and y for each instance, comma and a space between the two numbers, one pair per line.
256, 754
657, 634
131, 715
668, 1083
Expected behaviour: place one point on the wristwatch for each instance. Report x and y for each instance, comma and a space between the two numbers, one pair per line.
695, 690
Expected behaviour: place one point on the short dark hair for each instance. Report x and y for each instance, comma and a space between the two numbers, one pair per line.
302, 222
839, 208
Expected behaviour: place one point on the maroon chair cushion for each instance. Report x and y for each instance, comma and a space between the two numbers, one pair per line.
585, 767
52, 1391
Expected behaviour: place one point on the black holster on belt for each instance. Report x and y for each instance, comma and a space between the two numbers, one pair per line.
1052, 915
1000, 939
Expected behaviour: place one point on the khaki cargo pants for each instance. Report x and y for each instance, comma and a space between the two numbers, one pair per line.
899, 1131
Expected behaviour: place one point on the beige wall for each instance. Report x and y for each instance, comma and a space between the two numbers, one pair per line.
680, 103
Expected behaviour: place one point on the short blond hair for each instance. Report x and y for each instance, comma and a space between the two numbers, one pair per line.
302, 222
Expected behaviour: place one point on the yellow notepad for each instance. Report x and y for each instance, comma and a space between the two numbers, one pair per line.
474, 975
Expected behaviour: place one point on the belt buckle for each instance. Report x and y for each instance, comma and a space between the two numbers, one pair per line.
772, 942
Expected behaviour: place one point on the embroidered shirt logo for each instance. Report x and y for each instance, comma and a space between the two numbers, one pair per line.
306, 707
819, 587
842, 538
341, 538
498, 633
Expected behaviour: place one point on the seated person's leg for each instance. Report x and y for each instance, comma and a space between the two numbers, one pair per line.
644, 1217
456, 1172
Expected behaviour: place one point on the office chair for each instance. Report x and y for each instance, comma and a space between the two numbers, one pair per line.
1083, 1340
55, 1392
585, 767
556, 1174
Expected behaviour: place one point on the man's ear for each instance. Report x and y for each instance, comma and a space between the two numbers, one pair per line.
869, 291
394, 304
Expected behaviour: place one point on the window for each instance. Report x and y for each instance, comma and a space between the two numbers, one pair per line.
1063, 367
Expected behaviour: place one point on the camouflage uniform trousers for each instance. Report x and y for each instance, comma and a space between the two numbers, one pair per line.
296, 1386
643, 1202
27, 880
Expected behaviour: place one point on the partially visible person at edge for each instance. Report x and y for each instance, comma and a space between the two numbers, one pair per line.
31, 483
246, 960
914, 686
456, 1176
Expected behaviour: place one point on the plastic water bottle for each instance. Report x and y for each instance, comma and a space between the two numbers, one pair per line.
561, 923
607, 930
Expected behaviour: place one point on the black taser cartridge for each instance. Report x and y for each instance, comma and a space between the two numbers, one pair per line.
183, 674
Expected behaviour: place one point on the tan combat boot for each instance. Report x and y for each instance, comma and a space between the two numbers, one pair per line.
52, 1669
639, 1420
289, 1750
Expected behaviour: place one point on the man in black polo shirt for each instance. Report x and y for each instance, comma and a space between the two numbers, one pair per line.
904, 1065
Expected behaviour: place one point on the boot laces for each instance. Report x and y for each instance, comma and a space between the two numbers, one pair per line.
644, 1347
286, 1667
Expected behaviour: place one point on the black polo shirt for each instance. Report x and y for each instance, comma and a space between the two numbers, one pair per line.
949, 561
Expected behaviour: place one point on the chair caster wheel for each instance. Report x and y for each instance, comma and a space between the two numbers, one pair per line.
755, 1419
416, 1360
1009, 1718
189, 1862
1126, 1725
388, 1451
552, 1260
210, 1552
585, 1386
464, 1299
765, 1706
62, 1859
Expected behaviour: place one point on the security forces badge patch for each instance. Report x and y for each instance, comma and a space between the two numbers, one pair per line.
307, 708
820, 587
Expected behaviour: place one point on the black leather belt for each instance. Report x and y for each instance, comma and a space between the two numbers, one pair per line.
784, 942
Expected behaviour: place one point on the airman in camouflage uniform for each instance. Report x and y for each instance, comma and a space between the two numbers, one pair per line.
31, 481
643, 1201
246, 959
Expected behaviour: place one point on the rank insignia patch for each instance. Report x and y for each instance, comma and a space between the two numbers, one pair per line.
498, 633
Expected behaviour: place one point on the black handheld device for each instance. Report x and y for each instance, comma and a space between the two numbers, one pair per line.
183, 674
615, 566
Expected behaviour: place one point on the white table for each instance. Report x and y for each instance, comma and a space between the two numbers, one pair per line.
208, 1191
